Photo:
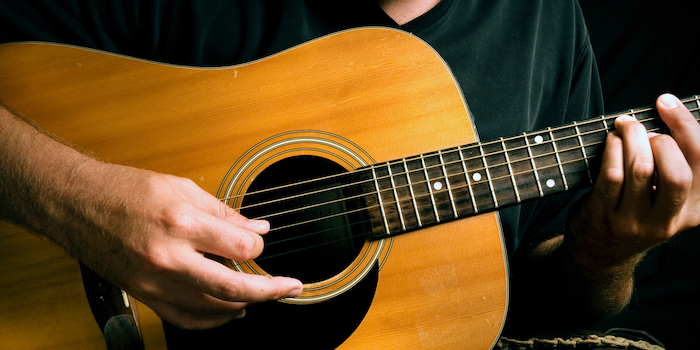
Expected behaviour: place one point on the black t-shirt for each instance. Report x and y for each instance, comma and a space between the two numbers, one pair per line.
521, 65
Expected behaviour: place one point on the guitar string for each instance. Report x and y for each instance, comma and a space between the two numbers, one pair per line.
353, 236
408, 198
528, 159
397, 202
287, 252
516, 137
479, 157
414, 158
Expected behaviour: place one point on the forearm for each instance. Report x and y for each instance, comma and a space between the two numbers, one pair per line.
553, 291
37, 173
144, 231
592, 288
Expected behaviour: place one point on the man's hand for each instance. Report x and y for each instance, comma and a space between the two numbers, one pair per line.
146, 232
648, 190
152, 241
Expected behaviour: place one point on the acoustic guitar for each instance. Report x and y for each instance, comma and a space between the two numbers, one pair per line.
381, 199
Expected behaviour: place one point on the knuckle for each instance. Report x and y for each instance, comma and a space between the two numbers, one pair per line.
159, 262
663, 233
246, 246
174, 220
612, 176
638, 128
230, 291
643, 169
662, 139
679, 181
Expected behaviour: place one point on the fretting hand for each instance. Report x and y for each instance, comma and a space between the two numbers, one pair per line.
648, 189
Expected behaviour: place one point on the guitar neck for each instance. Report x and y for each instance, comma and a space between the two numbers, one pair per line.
441, 186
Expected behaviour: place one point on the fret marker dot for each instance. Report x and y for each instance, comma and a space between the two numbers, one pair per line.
476, 176
437, 185
550, 183
539, 139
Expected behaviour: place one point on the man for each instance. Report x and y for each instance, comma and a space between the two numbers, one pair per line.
534, 56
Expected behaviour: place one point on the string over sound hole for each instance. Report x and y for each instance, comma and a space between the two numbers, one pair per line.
317, 227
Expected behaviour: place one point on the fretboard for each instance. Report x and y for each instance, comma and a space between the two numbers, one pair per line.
441, 186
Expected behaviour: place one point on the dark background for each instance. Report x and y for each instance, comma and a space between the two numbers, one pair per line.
645, 48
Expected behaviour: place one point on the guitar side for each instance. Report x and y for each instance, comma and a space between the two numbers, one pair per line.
386, 91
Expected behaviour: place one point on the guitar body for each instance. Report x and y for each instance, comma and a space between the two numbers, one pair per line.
351, 99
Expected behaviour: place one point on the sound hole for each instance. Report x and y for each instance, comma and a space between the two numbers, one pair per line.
317, 227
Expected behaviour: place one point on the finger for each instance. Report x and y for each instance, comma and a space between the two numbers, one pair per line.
674, 178
187, 320
210, 204
188, 298
685, 128
638, 163
260, 227
223, 283
226, 239
608, 185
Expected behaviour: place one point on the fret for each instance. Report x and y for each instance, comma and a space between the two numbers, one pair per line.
556, 154
534, 167
592, 137
405, 201
430, 189
390, 197
499, 172
510, 171
413, 195
545, 162
571, 154
583, 150
437, 183
379, 198
651, 121
480, 187
694, 110
396, 195
447, 184
466, 178
488, 177
521, 171
421, 191
605, 123
458, 182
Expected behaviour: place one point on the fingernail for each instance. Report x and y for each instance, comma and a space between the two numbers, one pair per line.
669, 101
624, 118
240, 315
261, 226
295, 292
